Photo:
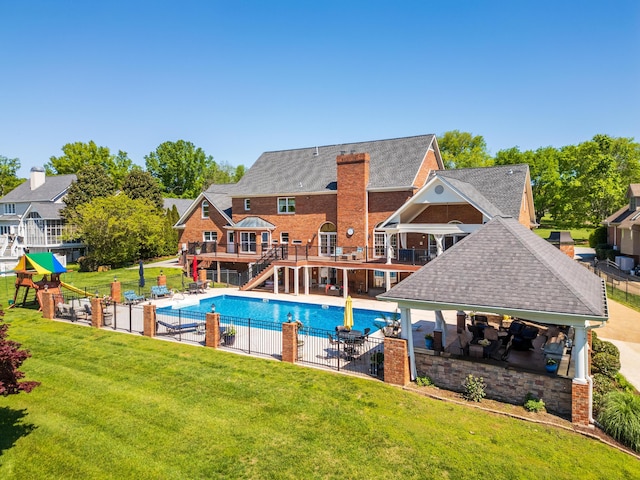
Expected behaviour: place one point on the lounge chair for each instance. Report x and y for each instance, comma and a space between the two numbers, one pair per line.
160, 291
173, 328
132, 297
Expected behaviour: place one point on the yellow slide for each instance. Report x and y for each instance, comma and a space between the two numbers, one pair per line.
75, 289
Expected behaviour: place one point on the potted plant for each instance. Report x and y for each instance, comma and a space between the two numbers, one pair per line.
229, 335
552, 365
428, 341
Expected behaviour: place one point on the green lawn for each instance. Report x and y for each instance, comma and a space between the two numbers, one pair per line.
118, 406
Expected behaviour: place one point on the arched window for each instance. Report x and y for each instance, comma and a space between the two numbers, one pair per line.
205, 209
327, 239
451, 239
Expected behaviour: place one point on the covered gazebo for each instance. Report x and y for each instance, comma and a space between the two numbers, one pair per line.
506, 269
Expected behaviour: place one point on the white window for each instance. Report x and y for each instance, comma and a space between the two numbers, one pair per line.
286, 205
5, 229
210, 236
284, 237
378, 244
247, 204
378, 278
10, 208
205, 209
248, 242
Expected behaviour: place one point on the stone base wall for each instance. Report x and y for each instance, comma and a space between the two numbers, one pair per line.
503, 384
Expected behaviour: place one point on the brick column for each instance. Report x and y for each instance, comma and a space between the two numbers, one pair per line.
149, 320
437, 341
289, 342
212, 332
580, 403
116, 291
396, 361
48, 305
162, 280
202, 275
97, 318
461, 321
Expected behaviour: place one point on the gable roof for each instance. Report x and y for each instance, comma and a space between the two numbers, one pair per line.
49, 191
181, 204
394, 163
505, 268
253, 222
218, 195
496, 190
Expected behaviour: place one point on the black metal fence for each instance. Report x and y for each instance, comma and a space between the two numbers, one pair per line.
363, 355
183, 325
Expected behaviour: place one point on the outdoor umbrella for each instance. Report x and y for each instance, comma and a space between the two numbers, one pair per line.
195, 268
141, 273
348, 313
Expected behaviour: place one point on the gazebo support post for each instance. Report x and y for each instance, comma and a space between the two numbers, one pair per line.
441, 326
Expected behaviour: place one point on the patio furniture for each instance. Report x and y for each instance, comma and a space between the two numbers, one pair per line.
464, 340
160, 291
524, 339
131, 297
173, 328
193, 287
64, 310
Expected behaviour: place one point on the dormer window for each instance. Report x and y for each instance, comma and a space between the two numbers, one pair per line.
205, 209
10, 208
633, 204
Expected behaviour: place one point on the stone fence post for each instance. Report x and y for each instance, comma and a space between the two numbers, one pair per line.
396, 361
212, 330
289, 342
149, 320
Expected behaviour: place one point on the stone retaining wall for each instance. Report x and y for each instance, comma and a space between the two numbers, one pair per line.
503, 383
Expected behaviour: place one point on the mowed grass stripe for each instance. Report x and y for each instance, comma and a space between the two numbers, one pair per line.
123, 406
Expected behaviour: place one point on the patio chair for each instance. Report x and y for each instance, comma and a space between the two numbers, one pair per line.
334, 345
464, 340
131, 297
193, 287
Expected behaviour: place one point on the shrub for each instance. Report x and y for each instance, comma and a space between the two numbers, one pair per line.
605, 364
474, 388
424, 381
620, 418
602, 386
598, 237
624, 384
533, 404
87, 264
608, 347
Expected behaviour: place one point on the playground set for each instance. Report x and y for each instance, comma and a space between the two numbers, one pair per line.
45, 264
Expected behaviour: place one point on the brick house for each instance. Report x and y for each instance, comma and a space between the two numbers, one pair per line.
361, 216
623, 227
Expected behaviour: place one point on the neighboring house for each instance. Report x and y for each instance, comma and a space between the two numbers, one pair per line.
362, 215
30, 218
623, 227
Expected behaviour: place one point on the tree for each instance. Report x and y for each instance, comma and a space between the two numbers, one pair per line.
544, 171
79, 155
181, 168
463, 150
92, 182
11, 358
119, 230
223, 173
140, 184
8, 174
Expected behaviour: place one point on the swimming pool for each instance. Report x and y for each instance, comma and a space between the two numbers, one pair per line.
325, 317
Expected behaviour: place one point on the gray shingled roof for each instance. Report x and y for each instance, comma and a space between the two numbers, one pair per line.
182, 204
394, 163
506, 266
51, 189
48, 210
498, 190
634, 190
220, 195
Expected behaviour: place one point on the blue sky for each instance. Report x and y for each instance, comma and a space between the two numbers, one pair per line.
241, 77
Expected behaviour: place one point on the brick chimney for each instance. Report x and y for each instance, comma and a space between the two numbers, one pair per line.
37, 177
353, 178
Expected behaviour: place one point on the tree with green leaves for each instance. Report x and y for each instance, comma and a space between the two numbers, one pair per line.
91, 182
463, 150
119, 230
11, 358
184, 171
78, 155
544, 171
8, 174
141, 184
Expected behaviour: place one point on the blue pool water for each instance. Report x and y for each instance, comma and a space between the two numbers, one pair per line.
324, 317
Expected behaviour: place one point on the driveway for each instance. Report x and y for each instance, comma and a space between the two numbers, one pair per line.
623, 330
